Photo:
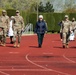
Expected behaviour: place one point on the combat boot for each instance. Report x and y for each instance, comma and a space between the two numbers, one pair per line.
67, 46
64, 46
4, 45
15, 45
1, 43
18, 45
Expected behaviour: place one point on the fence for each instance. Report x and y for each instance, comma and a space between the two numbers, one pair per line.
28, 29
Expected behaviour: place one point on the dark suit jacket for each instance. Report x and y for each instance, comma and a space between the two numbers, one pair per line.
40, 27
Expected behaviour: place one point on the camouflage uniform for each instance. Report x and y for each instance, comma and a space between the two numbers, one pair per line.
66, 28
74, 27
4, 23
1, 36
17, 27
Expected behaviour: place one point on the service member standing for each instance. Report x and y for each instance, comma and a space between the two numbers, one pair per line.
18, 26
40, 30
4, 23
1, 35
66, 29
74, 26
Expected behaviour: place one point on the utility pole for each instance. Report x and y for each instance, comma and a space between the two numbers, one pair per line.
37, 11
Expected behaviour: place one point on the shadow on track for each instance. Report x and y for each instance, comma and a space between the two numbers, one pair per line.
59, 47
33, 46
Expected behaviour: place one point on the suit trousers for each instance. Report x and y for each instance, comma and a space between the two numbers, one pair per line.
40, 38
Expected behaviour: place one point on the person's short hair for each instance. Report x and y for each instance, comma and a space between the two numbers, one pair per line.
41, 16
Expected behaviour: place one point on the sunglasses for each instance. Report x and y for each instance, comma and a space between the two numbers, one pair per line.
17, 12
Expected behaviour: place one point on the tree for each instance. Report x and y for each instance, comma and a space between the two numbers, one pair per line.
49, 7
17, 4
41, 7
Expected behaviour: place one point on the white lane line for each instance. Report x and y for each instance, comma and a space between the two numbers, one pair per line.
44, 67
52, 61
13, 52
11, 60
34, 61
24, 70
70, 61
64, 56
48, 53
4, 73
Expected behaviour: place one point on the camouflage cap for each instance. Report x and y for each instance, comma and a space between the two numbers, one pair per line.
73, 18
17, 11
4, 11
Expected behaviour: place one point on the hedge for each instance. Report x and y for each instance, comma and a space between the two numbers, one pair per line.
1, 11
52, 19
11, 12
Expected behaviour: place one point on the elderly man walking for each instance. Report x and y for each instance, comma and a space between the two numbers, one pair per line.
40, 29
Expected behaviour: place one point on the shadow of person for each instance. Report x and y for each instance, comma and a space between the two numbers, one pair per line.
73, 47
33, 46
59, 47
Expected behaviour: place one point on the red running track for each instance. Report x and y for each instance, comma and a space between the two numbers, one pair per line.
51, 59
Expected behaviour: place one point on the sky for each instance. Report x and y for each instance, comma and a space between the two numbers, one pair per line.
59, 5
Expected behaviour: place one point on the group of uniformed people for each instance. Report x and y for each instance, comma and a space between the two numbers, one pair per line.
18, 26
67, 28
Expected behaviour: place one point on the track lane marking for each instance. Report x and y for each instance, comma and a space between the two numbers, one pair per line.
4, 73
24, 70
44, 67
64, 56
69, 59
14, 52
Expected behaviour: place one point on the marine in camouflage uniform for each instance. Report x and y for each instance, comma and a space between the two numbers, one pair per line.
66, 29
74, 26
1, 35
18, 26
4, 23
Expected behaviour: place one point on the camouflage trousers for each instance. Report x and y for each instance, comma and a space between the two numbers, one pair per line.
66, 38
1, 38
17, 32
75, 33
4, 35
1, 34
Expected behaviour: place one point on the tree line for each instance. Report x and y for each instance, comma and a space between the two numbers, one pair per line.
26, 5
43, 6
